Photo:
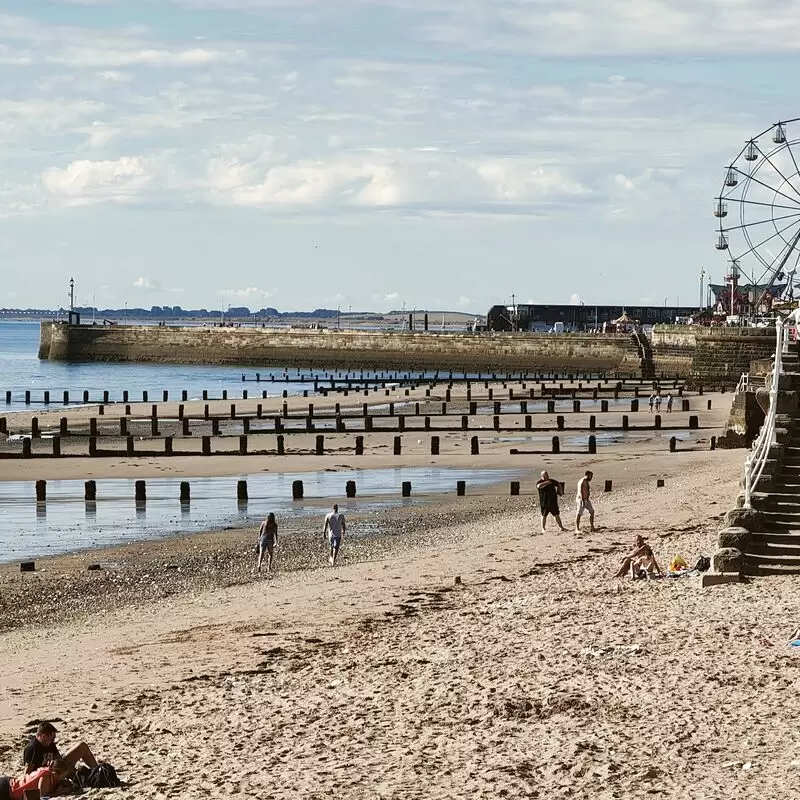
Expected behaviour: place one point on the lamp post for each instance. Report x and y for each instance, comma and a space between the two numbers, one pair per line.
72, 294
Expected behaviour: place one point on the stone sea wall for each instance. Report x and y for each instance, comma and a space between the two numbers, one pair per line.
707, 356
331, 348
710, 356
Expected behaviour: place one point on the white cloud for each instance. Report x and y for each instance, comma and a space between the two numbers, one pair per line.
465, 301
145, 284
251, 294
574, 299
392, 297
84, 181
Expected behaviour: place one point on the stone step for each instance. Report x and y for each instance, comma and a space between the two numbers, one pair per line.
771, 565
769, 545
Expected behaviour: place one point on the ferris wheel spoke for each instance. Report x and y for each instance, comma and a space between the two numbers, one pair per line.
754, 247
772, 164
767, 186
761, 222
757, 203
791, 155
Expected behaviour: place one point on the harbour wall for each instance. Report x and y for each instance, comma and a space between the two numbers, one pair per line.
261, 347
710, 356
707, 356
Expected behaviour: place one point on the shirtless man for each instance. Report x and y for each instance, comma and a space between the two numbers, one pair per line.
583, 502
333, 530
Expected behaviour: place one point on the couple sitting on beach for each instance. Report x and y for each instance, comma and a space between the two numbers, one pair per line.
46, 770
640, 562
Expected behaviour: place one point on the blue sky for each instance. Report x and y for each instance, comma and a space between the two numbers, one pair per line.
366, 153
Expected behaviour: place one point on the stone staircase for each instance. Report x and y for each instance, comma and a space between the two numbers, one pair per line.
773, 545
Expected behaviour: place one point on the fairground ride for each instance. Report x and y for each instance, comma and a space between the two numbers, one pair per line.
758, 212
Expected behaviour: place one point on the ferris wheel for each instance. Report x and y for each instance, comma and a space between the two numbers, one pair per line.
758, 209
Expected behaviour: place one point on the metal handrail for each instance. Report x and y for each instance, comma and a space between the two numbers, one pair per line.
744, 383
755, 462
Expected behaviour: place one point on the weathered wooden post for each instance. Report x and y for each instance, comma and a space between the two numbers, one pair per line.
398, 445
350, 489
607, 486
560, 423
26, 447
241, 491
281, 447
243, 445
56, 447
592, 445
35, 432
434, 445
359, 445
206, 445
673, 444
41, 491
297, 490
406, 489
320, 450
514, 489
186, 493
90, 491
461, 488
140, 492
556, 445
475, 446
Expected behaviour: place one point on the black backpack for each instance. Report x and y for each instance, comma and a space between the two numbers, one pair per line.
703, 564
103, 776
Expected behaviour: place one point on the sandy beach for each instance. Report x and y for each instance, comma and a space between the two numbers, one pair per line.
536, 675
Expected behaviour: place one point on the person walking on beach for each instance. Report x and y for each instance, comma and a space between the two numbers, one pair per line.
267, 540
658, 403
583, 502
332, 532
549, 490
652, 400
669, 403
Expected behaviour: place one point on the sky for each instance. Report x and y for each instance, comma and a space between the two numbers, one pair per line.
365, 154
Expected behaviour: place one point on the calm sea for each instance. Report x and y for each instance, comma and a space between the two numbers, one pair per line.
21, 371
65, 523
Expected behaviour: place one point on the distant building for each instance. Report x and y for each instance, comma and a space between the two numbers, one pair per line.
578, 318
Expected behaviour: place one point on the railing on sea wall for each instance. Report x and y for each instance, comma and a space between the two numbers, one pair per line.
754, 465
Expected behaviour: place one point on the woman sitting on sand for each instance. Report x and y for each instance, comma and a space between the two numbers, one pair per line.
645, 566
548, 499
640, 550
45, 779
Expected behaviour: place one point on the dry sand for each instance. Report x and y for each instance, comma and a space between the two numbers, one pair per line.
536, 676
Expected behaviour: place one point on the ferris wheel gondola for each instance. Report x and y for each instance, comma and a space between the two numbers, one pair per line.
758, 213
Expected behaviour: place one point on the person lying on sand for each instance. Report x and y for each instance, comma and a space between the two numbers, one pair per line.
45, 779
639, 550
41, 750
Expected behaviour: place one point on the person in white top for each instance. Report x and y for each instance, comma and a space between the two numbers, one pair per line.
332, 531
583, 502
